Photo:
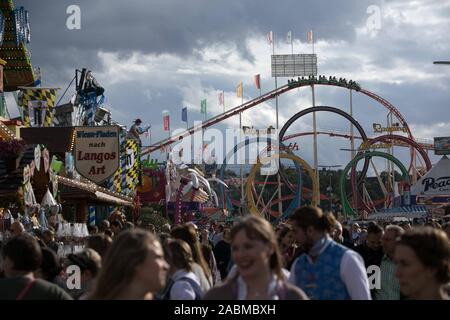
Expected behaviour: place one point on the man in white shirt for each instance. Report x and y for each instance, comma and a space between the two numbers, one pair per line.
328, 270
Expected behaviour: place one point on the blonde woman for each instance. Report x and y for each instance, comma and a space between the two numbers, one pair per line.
259, 275
134, 268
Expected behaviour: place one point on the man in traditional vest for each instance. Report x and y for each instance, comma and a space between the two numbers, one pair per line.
327, 270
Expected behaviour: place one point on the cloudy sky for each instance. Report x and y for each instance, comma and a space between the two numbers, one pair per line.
155, 55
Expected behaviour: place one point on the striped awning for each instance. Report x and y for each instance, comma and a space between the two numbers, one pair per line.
411, 212
100, 193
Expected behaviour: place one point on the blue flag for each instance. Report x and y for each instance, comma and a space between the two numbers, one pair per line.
184, 114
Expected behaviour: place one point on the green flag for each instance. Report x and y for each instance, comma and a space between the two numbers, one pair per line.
203, 106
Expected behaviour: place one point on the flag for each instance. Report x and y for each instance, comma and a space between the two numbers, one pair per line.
166, 121
37, 77
289, 37
270, 37
221, 99
239, 90
257, 81
184, 114
310, 36
203, 106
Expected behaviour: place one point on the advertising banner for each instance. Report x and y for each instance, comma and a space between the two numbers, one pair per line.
97, 152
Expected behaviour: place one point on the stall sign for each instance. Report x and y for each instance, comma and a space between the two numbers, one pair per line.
97, 152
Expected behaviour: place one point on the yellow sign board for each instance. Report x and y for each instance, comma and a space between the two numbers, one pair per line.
396, 127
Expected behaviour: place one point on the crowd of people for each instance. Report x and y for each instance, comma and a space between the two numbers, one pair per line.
309, 256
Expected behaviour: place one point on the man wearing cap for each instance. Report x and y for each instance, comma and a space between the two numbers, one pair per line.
136, 131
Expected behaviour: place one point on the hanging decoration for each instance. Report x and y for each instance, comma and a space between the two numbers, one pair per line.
48, 200
54, 180
46, 157
28, 195
32, 167
37, 158
56, 165
22, 26
26, 174
43, 222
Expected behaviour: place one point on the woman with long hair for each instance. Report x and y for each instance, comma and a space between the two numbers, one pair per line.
286, 242
183, 284
259, 274
422, 258
188, 233
134, 268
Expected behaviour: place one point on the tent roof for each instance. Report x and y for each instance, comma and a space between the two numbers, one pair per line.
409, 212
439, 175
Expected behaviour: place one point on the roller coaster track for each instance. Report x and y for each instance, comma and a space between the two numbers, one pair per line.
271, 95
426, 146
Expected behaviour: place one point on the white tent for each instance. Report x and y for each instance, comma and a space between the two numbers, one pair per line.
435, 182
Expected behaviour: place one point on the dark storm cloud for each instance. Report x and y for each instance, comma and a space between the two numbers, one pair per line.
176, 26
182, 27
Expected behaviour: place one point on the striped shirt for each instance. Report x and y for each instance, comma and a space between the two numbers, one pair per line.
389, 285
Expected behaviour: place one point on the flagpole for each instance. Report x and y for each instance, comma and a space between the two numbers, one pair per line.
280, 204
292, 42
223, 100
241, 150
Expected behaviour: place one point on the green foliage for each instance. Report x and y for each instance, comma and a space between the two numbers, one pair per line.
150, 215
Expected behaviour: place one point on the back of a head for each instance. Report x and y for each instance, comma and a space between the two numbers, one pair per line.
180, 254
17, 228
24, 252
283, 231
165, 228
374, 229
308, 216
117, 224
88, 260
187, 233
99, 242
50, 265
128, 250
397, 230
104, 225
92, 229
432, 247
109, 233
48, 233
